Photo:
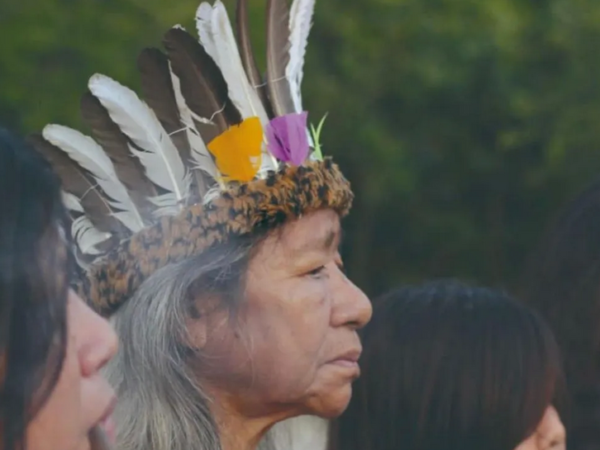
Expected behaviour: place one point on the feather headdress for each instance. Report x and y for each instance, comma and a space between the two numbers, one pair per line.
213, 150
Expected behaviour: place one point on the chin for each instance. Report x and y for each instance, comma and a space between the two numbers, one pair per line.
331, 404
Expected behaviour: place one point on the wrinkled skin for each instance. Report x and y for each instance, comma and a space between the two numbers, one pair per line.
292, 347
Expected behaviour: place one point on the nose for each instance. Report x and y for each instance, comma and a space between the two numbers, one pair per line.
351, 306
97, 342
552, 431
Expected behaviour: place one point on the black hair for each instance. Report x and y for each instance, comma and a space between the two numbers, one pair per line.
34, 267
451, 367
562, 281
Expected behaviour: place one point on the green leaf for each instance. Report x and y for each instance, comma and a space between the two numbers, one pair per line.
316, 134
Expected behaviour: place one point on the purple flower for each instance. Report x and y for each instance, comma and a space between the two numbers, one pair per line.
287, 138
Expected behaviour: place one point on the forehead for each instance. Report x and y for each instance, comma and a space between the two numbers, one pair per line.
318, 230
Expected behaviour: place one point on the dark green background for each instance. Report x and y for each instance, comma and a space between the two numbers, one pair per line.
463, 124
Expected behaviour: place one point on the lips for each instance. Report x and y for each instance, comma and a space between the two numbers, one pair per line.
107, 423
348, 359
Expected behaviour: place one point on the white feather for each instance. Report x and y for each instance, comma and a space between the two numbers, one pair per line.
216, 35
89, 155
165, 205
159, 156
71, 202
83, 231
217, 38
301, 16
212, 194
87, 236
200, 154
204, 15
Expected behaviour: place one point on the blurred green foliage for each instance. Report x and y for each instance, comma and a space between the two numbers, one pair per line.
462, 124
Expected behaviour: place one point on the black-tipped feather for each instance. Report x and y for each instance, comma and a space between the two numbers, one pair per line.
157, 87
202, 83
128, 167
247, 55
278, 57
78, 182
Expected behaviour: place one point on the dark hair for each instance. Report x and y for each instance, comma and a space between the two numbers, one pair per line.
33, 286
450, 367
562, 282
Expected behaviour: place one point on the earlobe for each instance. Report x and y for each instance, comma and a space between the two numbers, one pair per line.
198, 322
196, 331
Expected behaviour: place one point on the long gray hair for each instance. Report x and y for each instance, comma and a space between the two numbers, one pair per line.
161, 406
297, 433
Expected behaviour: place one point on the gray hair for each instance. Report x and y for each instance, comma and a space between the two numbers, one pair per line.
161, 405
297, 433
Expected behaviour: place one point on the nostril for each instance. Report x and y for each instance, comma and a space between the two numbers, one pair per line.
100, 348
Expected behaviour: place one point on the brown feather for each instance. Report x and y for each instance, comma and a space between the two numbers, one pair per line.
202, 83
159, 95
278, 56
78, 182
128, 167
157, 87
247, 55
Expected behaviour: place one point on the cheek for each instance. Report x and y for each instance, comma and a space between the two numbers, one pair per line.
284, 331
297, 316
59, 423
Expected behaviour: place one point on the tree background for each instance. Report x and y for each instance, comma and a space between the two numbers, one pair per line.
462, 124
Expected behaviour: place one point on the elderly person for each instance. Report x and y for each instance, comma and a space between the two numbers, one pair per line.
208, 224
53, 346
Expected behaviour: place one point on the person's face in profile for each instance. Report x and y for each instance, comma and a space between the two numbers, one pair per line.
81, 398
549, 435
296, 348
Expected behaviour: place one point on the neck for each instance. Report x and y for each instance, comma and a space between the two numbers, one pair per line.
237, 430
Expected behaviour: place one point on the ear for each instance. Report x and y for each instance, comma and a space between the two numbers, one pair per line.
196, 329
199, 320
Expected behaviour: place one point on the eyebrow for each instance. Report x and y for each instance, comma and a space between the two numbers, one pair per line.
324, 242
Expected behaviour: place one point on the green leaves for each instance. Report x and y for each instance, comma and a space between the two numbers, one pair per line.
317, 153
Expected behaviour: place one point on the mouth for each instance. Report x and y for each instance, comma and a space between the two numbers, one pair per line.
348, 360
106, 422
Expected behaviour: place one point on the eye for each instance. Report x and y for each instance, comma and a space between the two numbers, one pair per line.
318, 272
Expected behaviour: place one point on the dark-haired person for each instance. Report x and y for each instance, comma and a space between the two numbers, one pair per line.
452, 367
446, 366
563, 283
52, 345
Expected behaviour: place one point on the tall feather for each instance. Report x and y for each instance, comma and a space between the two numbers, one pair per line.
202, 83
300, 23
200, 156
204, 15
75, 180
90, 156
214, 26
159, 92
247, 55
278, 45
223, 50
158, 154
127, 166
